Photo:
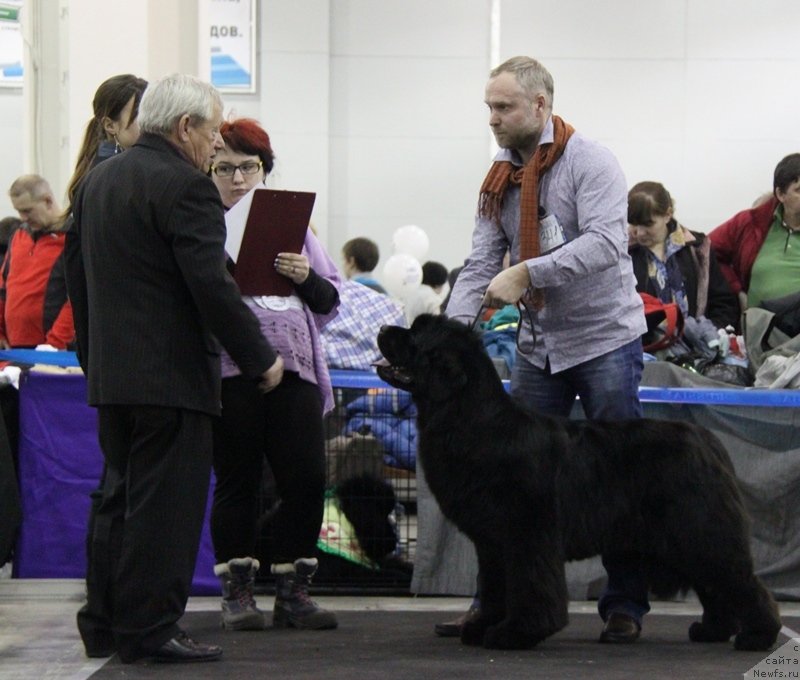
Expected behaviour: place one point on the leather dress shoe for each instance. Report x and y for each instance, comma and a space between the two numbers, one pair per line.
453, 628
620, 629
182, 648
97, 638
98, 644
99, 651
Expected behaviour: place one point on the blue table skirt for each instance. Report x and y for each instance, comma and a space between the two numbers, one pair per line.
60, 460
733, 396
60, 464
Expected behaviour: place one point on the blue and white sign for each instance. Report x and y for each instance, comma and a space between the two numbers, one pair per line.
11, 45
233, 45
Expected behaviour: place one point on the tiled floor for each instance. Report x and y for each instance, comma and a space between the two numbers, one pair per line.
38, 638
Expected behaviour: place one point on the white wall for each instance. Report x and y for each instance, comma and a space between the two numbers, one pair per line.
88, 29
701, 95
71, 47
293, 98
408, 135
378, 104
12, 144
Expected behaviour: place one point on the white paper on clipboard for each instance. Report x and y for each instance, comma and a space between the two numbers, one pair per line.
235, 221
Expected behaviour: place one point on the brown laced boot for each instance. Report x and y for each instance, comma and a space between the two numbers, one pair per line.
239, 610
294, 608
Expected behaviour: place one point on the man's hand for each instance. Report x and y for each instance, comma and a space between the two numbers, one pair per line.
272, 377
4, 344
507, 287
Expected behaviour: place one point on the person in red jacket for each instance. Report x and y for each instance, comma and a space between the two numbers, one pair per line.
34, 308
758, 249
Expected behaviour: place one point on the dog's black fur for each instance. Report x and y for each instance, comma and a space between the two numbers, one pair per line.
532, 491
367, 502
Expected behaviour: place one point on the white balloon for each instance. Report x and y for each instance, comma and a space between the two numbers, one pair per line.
412, 240
402, 274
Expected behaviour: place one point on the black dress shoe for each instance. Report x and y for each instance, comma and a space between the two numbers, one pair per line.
620, 629
97, 638
182, 648
99, 652
99, 644
453, 628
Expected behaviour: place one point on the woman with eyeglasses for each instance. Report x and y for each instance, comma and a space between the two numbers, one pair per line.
284, 426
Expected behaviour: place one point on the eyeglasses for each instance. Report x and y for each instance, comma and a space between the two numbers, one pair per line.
228, 170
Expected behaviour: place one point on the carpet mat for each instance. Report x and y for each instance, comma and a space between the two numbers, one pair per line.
400, 644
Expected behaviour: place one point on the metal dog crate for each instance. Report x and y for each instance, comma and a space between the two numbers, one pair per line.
370, 457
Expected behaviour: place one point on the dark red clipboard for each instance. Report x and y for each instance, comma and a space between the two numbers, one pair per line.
277, 223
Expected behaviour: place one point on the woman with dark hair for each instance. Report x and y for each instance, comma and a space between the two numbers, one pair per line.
112, 128
285, 426
674, 264
756, 247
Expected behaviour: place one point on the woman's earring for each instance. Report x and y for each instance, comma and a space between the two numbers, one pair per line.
117, 147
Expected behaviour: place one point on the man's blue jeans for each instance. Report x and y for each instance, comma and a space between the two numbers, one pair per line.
608, 387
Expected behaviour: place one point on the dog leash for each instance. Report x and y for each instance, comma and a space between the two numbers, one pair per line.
521, 306
474, 323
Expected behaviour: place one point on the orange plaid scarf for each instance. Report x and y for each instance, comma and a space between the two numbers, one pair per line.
503, 173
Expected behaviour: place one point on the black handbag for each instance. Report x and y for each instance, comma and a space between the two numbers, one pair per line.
787, 313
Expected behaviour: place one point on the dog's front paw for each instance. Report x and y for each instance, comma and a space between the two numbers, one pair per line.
473, 631
704, 632
754, 641
505, 635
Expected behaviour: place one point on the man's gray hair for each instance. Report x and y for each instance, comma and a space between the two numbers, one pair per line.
530, 74
166, 100
34, 185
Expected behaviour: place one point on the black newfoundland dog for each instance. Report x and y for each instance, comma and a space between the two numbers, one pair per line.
532, 491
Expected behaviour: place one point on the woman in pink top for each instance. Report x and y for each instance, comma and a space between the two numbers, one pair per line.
283, 427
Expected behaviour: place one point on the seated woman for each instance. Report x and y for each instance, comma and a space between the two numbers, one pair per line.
674, 264
756, 248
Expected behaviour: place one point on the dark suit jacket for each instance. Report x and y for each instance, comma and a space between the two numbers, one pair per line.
146, 274
701, 276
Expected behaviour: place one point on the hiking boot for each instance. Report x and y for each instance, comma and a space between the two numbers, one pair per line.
239, 611
293, 606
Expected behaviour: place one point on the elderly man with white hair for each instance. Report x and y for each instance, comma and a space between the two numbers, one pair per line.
151, 298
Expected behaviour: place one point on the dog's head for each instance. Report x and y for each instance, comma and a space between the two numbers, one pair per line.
433, 359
